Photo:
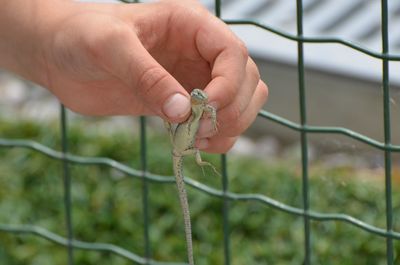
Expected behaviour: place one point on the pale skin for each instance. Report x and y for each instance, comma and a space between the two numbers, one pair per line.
118, 59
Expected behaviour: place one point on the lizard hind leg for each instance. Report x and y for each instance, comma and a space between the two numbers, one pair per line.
202, 163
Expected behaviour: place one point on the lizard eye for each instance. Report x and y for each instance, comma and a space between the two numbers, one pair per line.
198, 95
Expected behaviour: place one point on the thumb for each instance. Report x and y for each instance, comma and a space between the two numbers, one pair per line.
158, 90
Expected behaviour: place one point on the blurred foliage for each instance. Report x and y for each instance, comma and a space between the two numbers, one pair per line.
107, 205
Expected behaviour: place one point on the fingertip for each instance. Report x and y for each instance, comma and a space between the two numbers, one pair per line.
206, 129
216, 145
202, 144
176, 108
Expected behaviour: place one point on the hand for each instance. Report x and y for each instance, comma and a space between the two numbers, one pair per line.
118, 59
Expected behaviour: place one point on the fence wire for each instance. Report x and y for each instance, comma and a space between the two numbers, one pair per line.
224, 194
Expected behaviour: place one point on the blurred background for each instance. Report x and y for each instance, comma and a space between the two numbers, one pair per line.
343, 88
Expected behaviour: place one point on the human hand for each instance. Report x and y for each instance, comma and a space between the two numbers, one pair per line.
117, 59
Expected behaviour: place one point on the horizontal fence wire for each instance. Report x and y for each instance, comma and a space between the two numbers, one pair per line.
129, 171
319, 40
303, 128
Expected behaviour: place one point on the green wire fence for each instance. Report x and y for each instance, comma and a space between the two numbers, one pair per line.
224, 194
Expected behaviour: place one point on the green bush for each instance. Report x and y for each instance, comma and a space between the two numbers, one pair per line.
107, 205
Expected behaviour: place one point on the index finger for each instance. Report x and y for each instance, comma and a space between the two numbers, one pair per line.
227, 56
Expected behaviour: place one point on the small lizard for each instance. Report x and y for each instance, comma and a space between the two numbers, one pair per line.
183, 138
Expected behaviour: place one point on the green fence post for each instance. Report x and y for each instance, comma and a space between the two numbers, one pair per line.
145, 188
225, 207
303, 133
387, 130
66, 184
225, 210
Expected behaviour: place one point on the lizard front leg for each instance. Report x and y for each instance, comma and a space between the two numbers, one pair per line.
213, 115
168, 126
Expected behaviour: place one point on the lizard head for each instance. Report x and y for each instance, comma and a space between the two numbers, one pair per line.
198, 97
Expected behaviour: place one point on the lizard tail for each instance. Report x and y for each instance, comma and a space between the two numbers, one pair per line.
184, 206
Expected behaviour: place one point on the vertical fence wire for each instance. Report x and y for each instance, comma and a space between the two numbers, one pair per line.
225, 184
145, 188
66, 184
218, 8
387, 130
225, 210
303, 134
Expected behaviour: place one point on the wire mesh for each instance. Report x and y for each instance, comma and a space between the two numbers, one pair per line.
71, 243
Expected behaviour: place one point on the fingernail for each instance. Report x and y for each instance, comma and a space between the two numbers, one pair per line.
202, 143
177, 106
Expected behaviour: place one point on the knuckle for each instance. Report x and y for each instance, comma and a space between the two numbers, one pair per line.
149, 79
226, 145
234, 121
98, 44
263, 90
221, 144
233, 113
230, 143
253, 69
230, 90
116, 31
243, 48
235, 128
171, 6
